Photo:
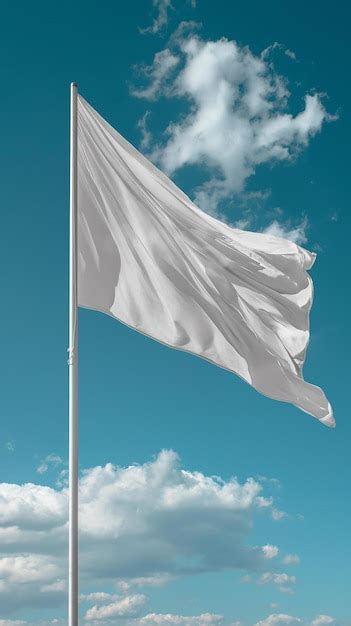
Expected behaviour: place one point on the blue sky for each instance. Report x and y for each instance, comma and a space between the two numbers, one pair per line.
137, 397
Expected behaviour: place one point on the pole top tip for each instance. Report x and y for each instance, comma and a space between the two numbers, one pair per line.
74, 85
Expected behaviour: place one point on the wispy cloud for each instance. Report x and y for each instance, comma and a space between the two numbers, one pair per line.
156, 75
278, 618
146, 136
162, 8
51, 460
278, 46
291, 559
278, 515
130, 606
98, 596
157, 619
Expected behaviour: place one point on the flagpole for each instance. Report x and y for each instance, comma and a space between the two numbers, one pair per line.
73, 372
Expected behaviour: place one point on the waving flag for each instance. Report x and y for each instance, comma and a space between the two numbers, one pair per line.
153, 260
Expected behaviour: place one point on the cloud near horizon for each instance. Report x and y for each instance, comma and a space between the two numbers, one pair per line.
161, 520
126, 612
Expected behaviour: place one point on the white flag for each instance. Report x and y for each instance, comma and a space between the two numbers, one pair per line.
153, 260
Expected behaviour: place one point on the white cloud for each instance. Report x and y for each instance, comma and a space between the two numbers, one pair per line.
158, 516
129, 606
238, 115
157, 74
278, 618
264, 503
44, 622
298, 233
139, 526
162, 7
278, 515
291, 559
321, 620
30, 507
155, 619
146, 136
27, 568
290, 53
58, 585
51, 460
98, 596
270, 551
143, 581
286, 590
281, 580
10, 446
278, 46
160, 22
127, 612
276, 579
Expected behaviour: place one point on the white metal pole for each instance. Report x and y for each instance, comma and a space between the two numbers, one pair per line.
73, 372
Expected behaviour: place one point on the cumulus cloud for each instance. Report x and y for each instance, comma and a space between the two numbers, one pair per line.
139, 526
163, 519
29, 507
130, 606
270, 551
238, 116
26, 569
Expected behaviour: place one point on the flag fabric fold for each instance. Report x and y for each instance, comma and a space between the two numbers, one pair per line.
153, 260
